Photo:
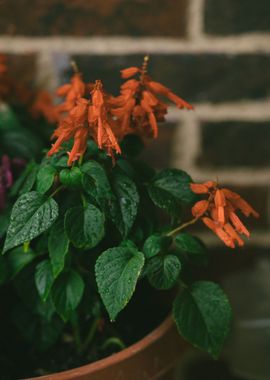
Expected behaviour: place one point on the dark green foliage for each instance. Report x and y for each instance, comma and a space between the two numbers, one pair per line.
203, 316
77, 246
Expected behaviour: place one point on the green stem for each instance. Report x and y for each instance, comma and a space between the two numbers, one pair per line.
90, 335
56, 191
180, 228
113, 341
80, 160
83, 200
26, 246
76, 335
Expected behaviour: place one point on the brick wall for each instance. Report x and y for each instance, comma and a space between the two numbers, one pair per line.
216, 53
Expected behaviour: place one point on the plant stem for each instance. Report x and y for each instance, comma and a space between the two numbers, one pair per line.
115, 341
83, 200
56, 191
90, 335
76, 335
81, 160
180, 228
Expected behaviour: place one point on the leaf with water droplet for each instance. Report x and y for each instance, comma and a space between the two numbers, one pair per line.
31, 215
117, 272
124, 206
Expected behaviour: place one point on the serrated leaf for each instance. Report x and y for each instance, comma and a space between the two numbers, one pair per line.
96, 183
117, 272
45, 178
17, 259
170, 188
58, 248
44, 279
156, 243
85, 226
203, 316
193, 246
125, 205
163, 271
67, 293
31, 215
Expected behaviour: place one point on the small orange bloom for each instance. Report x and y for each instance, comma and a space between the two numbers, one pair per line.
138, 107
218, 212
101, 122
73, 126
72, 92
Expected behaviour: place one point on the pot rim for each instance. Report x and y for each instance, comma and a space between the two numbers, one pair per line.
88, 369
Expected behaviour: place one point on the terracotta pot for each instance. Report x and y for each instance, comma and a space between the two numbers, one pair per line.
151, 358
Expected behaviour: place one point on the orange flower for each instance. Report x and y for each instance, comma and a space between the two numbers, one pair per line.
73, 126
138, 107
218, 212
101, 122
72, 92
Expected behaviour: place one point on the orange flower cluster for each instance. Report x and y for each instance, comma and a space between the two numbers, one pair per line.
218, 212
88, 111
84, 118
139, 107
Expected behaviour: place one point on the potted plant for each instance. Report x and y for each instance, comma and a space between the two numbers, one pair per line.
96, 239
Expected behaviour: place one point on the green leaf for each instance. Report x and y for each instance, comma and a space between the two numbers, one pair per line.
21, 179
17, 259
125, 206
170, 188
15, 138
156, 243
203, 316
31, 215
71, 177
58, 248
85, 226
193, 246
96, 183
45, 178
67, 293
44, 279
117, 272
30, 178
163, 271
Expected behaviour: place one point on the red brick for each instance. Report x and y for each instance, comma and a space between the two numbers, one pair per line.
95, 17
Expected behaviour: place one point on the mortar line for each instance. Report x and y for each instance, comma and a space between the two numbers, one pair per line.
243, 44
186, 144
195, 16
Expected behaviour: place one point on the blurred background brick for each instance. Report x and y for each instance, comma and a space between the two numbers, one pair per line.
204, 77
247, 144
227, 17
95, 17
